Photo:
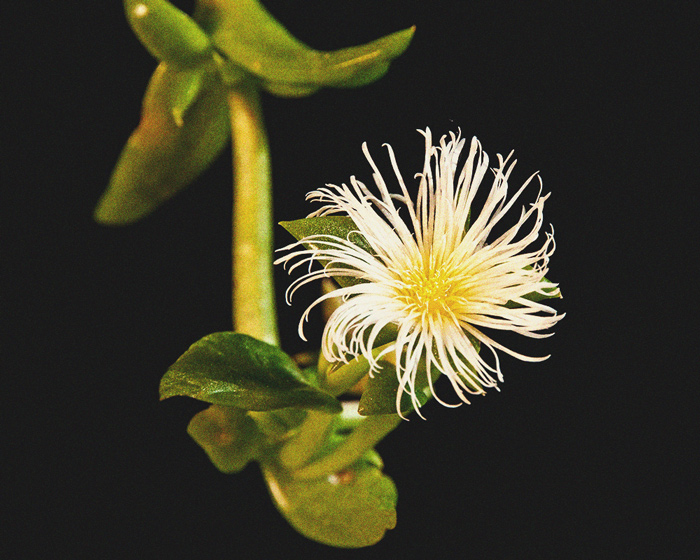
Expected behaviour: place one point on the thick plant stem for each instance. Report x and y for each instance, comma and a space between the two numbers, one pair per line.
253, 289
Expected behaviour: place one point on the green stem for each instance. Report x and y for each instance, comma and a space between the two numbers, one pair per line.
367, 434
253, 289
311, 435
338, 379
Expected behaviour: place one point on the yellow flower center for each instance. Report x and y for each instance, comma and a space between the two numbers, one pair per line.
429, 290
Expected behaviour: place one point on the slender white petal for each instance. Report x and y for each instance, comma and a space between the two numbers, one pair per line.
435, 277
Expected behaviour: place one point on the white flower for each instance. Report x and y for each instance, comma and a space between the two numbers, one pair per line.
433, 276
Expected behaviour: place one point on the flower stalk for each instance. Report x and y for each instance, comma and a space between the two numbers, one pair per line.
338, 377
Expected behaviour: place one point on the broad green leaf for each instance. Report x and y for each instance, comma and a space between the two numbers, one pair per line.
352, 508
168, 33
184, 126
234, 369
247, 34
342, 227
228, 436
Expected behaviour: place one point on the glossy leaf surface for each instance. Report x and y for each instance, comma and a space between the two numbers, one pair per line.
352, 508
234, 369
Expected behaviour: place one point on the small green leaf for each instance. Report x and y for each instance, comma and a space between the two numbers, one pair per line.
345, 68
228, 436
168, 33
331, 226
350, 509
184, 126
184, 92
234, 369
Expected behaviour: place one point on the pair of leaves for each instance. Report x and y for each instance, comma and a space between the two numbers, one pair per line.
244, 38
184, 122
352, 508
234, 369
250, 38
237, 373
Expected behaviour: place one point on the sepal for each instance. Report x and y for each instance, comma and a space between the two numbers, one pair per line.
379, 396
547, 290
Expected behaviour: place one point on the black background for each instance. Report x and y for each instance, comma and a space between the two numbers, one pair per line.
587, 455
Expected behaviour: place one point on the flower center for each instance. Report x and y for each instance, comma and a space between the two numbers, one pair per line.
428, 290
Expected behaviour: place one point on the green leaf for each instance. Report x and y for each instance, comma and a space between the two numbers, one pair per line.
545, 292
247, 34
184, 126
168, 33
379, 396
349, 509
185, 122
228, 436
234, 369
184, 93
331, 226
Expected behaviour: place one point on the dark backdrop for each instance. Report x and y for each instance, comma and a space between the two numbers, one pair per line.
586, 455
